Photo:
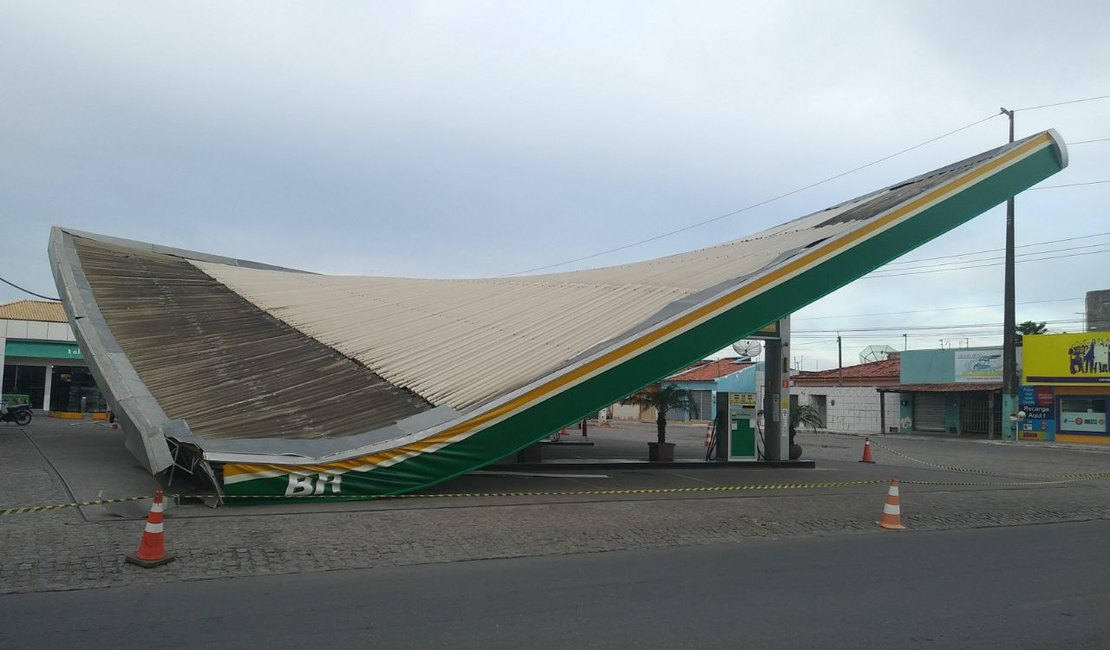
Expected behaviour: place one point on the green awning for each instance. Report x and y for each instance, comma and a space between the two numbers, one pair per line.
43, 350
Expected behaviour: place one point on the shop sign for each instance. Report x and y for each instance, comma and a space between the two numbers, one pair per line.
979, 366
42, 350
1038, 403
1085, 422
1066, 359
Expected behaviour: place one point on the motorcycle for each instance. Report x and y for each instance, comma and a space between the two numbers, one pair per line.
20, 414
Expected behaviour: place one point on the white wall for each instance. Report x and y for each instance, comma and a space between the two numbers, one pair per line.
28, 330
856, 408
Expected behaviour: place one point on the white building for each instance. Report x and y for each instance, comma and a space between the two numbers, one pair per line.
846, 397
40, 363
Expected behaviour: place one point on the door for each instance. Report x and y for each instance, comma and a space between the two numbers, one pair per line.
928, 412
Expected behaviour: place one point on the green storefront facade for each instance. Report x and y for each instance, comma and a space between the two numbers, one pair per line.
48, 375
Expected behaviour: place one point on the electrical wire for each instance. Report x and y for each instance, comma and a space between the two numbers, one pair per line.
1053, 187
933, 265
1072, 144
919, 328
1001, 250
755, 205
1070, 101
927, 311
978, 266
37, 295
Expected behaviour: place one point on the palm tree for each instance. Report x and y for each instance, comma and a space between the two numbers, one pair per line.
806, 416
663, 399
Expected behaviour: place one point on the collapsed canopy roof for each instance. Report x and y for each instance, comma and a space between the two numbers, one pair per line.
402, 382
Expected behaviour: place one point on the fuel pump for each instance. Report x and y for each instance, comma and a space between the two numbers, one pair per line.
736, 426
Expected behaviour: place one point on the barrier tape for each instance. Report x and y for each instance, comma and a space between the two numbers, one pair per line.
1068, 478
965, 470
617, 492
59, 506
710, 488
947, 468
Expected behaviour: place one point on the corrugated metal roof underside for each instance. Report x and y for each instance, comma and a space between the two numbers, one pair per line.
230, 370
463, 342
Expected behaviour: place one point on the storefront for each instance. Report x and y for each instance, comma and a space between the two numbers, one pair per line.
42, 364
1065, 390
950, 391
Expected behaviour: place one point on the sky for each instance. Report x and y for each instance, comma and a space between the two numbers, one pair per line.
474, 139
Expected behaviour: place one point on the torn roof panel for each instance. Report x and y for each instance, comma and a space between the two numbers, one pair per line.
446, 375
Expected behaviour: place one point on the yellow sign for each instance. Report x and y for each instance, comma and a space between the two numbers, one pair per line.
1066, 359
741, 399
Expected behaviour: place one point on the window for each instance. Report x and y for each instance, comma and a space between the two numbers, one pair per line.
1084, 415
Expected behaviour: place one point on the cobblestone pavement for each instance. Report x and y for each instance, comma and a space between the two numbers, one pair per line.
59, 549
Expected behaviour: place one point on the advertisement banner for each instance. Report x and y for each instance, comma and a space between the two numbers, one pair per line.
1038, 403
979, 366
1066, 359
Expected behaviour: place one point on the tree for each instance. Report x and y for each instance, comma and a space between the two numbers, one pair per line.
663, 399
806, 416
1029, 327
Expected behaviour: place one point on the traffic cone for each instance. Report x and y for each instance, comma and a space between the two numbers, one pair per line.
892, 511
708, 436
867, 451
152, 551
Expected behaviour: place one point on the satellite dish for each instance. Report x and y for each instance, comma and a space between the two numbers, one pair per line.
747, 348
873, 353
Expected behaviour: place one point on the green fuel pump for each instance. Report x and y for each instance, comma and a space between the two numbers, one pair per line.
737, 413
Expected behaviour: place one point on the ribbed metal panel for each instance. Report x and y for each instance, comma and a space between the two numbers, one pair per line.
462, 342
229, 369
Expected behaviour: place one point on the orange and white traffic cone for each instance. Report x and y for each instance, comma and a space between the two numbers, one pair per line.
892, 510
152, 550
867, 451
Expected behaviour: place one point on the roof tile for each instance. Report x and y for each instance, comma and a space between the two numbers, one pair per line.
34, 310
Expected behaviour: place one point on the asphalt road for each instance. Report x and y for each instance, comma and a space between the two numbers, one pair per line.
1045, 586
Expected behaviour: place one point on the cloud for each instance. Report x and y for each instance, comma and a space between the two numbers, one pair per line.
453, 139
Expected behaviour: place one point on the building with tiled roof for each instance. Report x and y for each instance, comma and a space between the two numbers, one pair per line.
39, 311
40, 361
706, 378
875, 373
847, 398
711, 370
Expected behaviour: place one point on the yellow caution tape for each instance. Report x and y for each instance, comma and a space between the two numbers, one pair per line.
1072, 478
59, 506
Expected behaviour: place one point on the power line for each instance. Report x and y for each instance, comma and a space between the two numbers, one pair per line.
1072, 144
755, 205
920, 328
807, 187
973, 329
927, 311
37, 295
1053, 187
998, 250
995, 257
1070, 101
977, 266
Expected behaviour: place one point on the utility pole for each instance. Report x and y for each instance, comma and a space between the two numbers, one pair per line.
839, 362
1009, 321
905, 343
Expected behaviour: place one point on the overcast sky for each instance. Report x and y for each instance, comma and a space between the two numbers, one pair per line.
468, 139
